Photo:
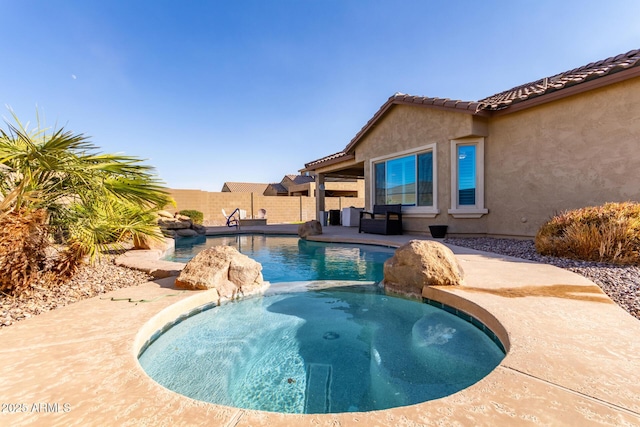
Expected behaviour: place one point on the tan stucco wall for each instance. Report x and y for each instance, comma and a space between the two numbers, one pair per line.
408, 127
577, 151
280, 209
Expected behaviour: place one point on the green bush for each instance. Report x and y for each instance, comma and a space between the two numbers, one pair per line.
196, 216
608, 233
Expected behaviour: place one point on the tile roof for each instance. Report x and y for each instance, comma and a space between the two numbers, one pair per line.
502, 100
245, 187
279, 188
563, 80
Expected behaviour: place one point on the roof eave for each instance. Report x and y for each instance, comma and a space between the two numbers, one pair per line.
329, 162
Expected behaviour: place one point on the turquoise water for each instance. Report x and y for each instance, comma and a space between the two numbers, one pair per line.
322, 351
290, 259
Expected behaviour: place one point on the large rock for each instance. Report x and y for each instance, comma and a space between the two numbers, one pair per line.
225, 269
200, 229
421, 263
147, 242
186, 232
165, 214
171, 234
173, 223
309, 228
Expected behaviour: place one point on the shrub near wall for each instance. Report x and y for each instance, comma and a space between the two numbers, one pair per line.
608, 233
196, 216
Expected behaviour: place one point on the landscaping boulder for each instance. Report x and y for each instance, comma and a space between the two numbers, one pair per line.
200, 229
169, 233
147, 242
186, 232
173, 223
224, 269
421, 263
165, 214
177, 225
309, 228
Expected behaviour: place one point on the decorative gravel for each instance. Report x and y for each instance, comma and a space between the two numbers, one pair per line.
620, 283
88, 282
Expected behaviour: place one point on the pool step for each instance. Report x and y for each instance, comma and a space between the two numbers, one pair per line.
317, 398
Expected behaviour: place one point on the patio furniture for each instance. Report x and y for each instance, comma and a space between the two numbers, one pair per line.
385, 219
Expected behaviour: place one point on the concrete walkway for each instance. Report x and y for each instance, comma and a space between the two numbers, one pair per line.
573, 356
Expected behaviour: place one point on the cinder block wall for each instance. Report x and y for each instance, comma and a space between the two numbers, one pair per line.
280, 209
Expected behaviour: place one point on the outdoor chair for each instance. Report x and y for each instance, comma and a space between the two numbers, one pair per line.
385, 219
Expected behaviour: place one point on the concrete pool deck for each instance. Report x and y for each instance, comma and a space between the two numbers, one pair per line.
573, 356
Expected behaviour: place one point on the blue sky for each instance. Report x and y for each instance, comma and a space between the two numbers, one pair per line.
215, 91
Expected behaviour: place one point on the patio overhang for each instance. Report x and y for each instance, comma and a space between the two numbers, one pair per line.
340, 165
336, 166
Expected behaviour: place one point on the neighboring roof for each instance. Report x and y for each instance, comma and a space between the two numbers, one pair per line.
503, 100
300, 179
278, 188
244, 187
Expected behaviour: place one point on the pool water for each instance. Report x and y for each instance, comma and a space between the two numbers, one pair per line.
290, 259
341, 349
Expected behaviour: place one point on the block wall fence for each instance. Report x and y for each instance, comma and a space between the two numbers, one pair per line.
280, 209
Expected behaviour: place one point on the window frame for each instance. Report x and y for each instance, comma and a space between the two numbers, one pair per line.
468, 211
409, 211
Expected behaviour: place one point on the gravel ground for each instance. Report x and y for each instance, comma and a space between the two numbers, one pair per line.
88, 282
620, 283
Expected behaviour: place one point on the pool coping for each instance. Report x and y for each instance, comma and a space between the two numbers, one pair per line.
562, 365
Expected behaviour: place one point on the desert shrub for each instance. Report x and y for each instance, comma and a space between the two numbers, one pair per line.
607, 233
196, 216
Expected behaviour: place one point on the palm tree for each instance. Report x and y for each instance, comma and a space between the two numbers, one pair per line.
90, 199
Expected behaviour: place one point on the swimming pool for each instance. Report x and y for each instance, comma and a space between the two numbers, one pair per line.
290, 259
323, 339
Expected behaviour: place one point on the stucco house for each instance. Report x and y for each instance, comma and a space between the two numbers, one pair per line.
505, 164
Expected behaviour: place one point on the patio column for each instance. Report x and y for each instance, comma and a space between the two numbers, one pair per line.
320, 198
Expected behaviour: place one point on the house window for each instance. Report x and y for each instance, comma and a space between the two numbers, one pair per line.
466, 175
467, 178
406, 179
400, 181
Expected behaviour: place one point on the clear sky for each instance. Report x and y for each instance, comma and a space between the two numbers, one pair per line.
234, 90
